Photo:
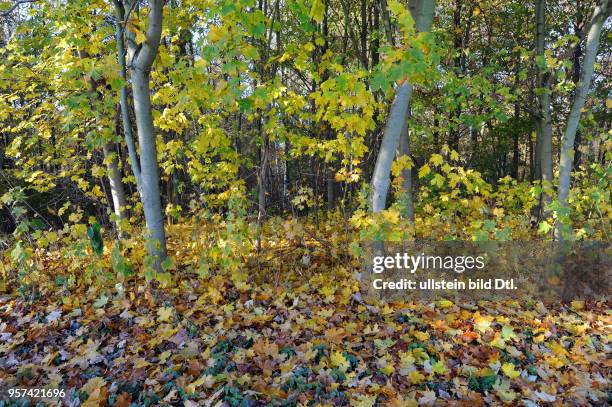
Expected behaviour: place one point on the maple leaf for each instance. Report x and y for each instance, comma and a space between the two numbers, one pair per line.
504, 392
96, 392
338, 360
164, 314
482, 324
428, 398
335, 335
510, 371
416, 377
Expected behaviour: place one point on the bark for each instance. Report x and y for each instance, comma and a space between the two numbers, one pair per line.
2, 155
261, 182
404, 149
142, 58
517, 116
600, 14
112, 163
123, 97
537, 153
576, 79
330, 190
384, 11
376, 42
114, 178
363, 34
396, 128
393, 131
544, 120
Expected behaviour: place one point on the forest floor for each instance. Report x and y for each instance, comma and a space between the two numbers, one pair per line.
305, 340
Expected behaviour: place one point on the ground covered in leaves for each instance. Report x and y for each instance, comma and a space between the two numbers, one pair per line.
311, 340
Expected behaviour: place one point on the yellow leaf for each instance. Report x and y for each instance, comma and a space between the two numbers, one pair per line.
164, 314
481, 324
436, 159
215, 34
363, 400
338, 360
558, 349
445, 304
424, 170
416, 377
609, 103
439, 367
578, 305
388, 369
510, 371
93, 384
140, 36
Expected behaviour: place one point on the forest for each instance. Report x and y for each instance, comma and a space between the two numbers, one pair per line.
187, 188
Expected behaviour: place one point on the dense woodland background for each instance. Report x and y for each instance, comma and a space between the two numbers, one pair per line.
164, 111
186, 187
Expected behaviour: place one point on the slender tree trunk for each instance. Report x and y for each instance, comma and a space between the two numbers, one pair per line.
517, 116
422, 11
363, 34
142, 59
384, 11
117, 201
123, 96
330, 189
404, 149
151, 198
376, 42
544, 124
577, 55
116, 186
537, 153
600, 14
393, 131
261, 183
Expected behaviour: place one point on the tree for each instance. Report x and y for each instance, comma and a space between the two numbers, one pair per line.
600, 14
142, 50
422, 11
544, 161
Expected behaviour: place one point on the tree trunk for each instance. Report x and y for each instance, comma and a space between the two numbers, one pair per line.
577, 55
537, 153
517, 115
151, 199
384, 11
123, 97
142, 60
544, 162
393, 131
363, 34
116, 186
567, 142
422, 11
404, 149
375, 42
261, 183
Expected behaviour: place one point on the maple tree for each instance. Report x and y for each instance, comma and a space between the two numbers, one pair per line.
185, 186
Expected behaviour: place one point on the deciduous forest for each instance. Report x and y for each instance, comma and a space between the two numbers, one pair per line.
186, 188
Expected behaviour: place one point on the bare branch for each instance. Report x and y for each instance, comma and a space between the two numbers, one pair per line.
16, 4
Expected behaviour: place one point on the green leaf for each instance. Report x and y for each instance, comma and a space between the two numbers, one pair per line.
95, 238
317, 11
100, 302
